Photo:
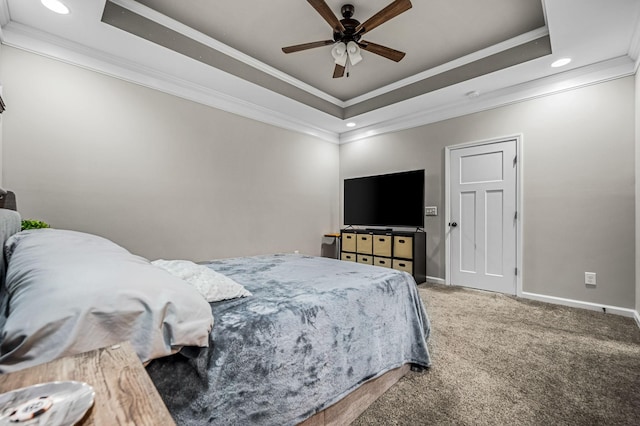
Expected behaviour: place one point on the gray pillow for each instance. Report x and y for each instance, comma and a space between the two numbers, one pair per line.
70, 292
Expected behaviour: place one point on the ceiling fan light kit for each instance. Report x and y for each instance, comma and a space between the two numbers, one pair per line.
341, 52
354, 52
347, 34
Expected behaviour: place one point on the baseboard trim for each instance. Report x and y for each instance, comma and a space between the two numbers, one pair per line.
435, 280
616, 310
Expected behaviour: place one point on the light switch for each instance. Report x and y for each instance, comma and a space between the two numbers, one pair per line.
431, 211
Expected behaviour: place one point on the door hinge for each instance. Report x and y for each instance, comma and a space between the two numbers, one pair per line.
516, 272
515, 160
515, 216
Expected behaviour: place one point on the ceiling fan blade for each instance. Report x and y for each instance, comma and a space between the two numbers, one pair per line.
305, 46
391, 11
387, 52
325, 11
338, 71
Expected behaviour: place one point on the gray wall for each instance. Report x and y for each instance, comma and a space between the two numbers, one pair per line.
1, 120
170, 178
160, 175
578, 185
637, 117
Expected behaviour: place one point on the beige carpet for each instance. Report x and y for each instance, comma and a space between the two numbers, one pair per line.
506, 361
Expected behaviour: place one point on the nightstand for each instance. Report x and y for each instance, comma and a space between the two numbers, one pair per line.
125, 394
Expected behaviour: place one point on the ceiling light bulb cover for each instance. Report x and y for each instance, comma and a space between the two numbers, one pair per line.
353, 50
55, 6
339, 53
561, 62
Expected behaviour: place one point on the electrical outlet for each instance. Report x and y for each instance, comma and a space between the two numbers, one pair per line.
590, 278
431, 211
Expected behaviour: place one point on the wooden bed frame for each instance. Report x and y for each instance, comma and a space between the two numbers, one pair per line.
351, 406
8, 200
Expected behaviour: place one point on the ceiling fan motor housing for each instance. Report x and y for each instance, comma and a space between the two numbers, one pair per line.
349, 25
347, 11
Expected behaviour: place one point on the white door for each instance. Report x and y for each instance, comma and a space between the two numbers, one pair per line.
483, 216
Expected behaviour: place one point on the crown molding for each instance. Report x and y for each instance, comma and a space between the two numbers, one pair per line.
597, 73
475, 56
634, 45
189, 32
212, 43
35, 41
5, 17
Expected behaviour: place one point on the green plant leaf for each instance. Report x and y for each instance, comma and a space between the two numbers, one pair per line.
33, 224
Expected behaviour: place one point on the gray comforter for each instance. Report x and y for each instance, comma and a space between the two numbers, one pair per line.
314, 330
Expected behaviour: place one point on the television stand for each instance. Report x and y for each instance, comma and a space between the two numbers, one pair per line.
402, 250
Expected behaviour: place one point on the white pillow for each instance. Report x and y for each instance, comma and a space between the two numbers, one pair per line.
211, 284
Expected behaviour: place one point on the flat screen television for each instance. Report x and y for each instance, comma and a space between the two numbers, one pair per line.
395, 199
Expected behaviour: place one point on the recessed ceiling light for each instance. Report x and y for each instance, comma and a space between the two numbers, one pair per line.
561, 62
55, 6
351, 124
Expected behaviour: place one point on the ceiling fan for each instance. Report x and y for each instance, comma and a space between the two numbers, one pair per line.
347, 34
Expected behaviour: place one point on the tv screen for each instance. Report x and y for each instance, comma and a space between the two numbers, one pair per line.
395, 199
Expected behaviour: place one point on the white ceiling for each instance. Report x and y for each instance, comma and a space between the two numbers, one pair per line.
231, 59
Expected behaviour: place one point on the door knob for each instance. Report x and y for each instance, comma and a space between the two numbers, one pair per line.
453, 224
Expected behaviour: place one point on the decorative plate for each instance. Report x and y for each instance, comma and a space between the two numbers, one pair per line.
51, 404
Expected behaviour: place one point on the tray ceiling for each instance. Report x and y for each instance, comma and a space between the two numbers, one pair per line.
431, 33
461, 56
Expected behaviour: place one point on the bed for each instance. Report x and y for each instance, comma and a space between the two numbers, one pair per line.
312, 331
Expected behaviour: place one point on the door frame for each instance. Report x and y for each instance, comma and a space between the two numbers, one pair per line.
519, 206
